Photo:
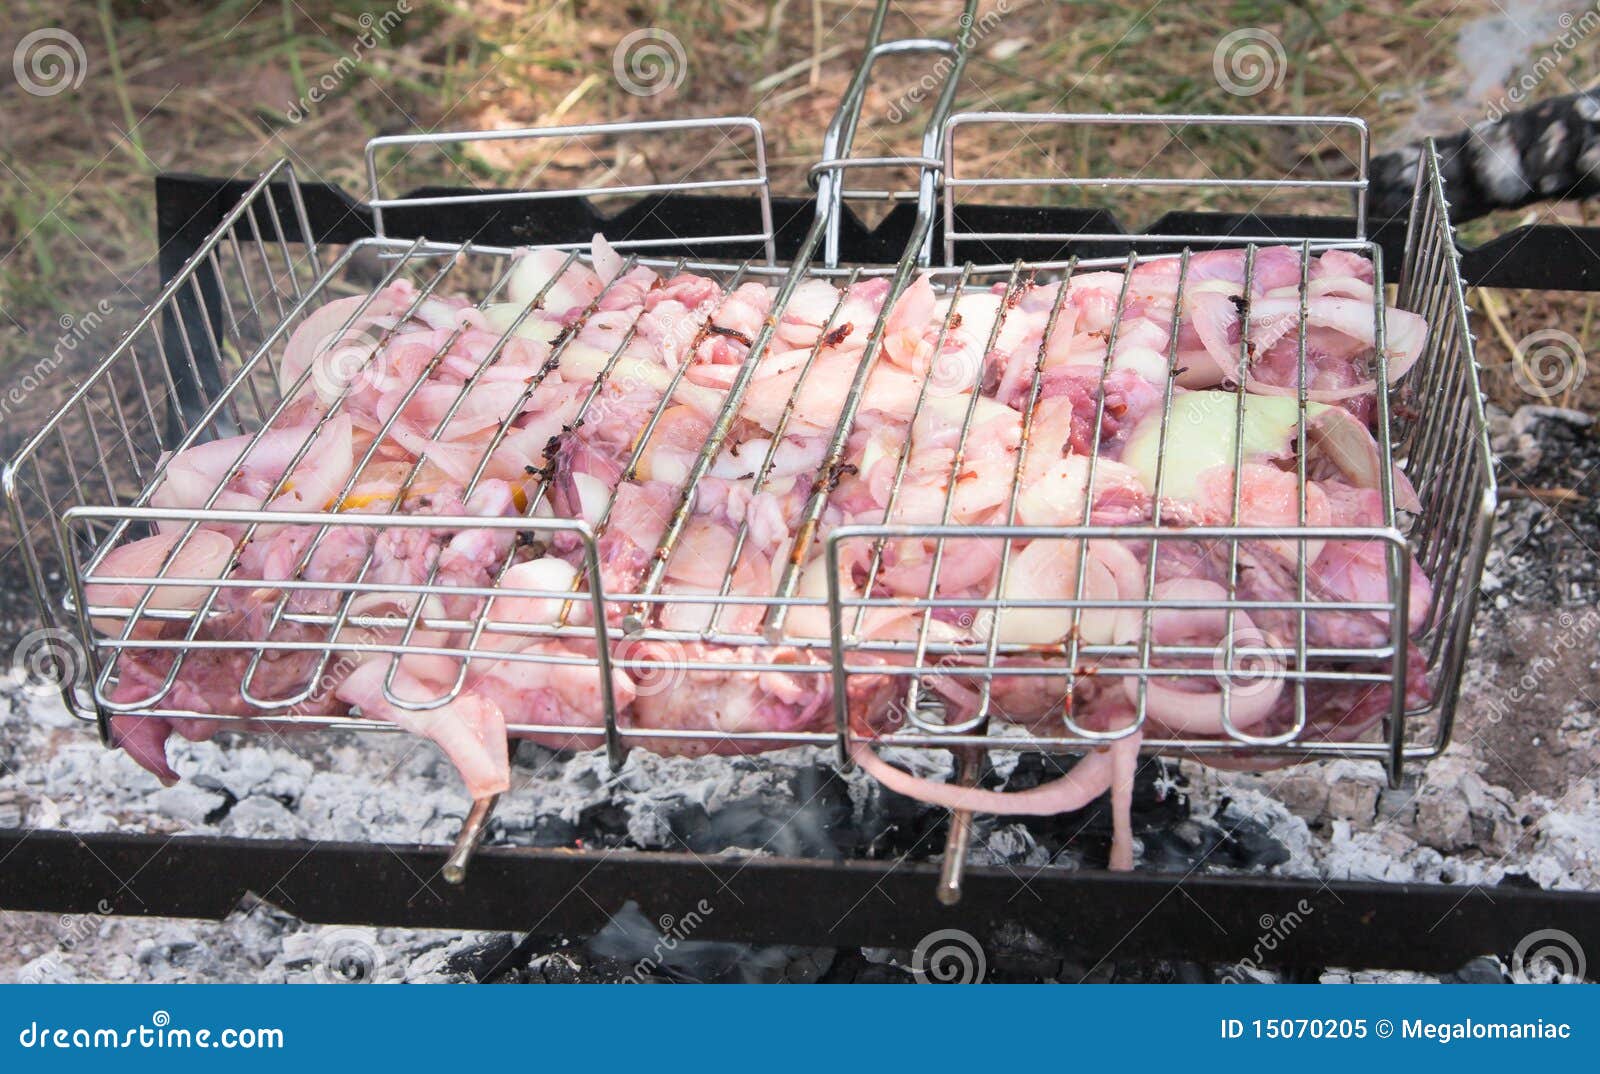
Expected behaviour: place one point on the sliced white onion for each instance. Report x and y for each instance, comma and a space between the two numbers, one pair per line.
1202, 433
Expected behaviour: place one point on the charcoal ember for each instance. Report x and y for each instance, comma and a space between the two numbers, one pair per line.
1158, 804
258, 817
1515, 879
1483, 970
810, 818
1353, 791
1464, 812
193, 803
536, 757
604, 824
1078, 972
894, 826
637, 949
809, 965
1005, 842
168, 957
485, 960
1190, 973
434, 959
1020, 967
556, 968
10, 808
1339, 975
855, 967
1017, 954
904, 828
1230, 840
46, 969
244, 771
1305, 792
550, 831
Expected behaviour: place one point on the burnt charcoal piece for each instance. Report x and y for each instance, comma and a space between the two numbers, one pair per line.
1228, 841
631, 947
604, 824
535, 756
1520, 880
811, 820
485, 961
552, 831
1484, 970
850, 966
894, 826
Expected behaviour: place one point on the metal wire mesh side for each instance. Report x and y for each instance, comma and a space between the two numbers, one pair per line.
188, 355
1260, 193
739, 133
1442, 442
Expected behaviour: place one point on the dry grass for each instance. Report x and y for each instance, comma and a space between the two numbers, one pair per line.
168, 85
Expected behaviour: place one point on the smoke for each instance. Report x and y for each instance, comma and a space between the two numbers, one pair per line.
1490, 51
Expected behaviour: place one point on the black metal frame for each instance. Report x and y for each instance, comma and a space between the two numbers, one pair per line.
1084, 914
188, 207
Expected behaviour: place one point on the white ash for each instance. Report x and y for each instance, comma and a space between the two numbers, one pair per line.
1516, 794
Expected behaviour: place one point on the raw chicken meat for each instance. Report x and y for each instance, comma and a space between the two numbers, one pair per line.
582, 403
